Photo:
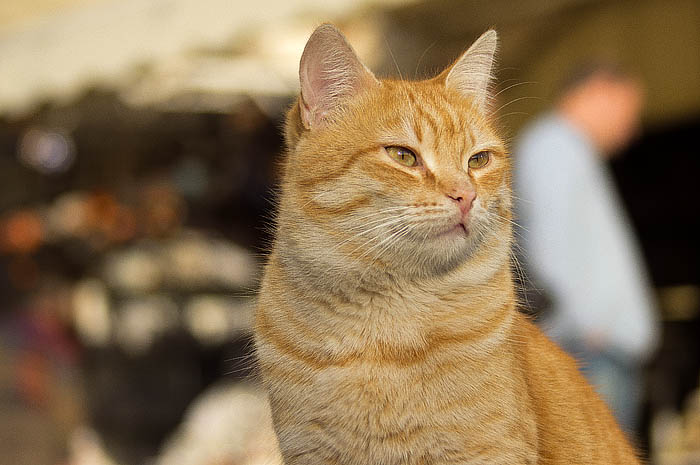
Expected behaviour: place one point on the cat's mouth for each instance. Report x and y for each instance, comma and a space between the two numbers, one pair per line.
460, 229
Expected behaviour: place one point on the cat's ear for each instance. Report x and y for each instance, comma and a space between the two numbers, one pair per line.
329, 73
471, 74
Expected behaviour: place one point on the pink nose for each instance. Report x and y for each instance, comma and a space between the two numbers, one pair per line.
464, 198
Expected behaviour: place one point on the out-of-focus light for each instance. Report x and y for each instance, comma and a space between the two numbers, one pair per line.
46, 151
141, 321
21, 231
214, 319
91, 315
67, 217
86, 448
102, 210
134, 271
232, 265
194, 261
207, 320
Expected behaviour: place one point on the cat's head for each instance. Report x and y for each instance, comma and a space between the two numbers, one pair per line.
409, 178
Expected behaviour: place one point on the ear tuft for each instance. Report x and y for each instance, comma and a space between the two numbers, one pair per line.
329, 73
471, 74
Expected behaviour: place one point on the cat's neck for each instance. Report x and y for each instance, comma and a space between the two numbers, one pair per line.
468, 293
326, 273
399, 322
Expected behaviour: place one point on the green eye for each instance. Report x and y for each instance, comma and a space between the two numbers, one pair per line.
402, 155
479, 160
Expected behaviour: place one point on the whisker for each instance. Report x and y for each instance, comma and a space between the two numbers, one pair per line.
513, 85
383, 213
514, 223
516, 100
393, 238
520, 199
385, 223
415, 73
371, 222
390, 222
393, 58
368, 251
512, 113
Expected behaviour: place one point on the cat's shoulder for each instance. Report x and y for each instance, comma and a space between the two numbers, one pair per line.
539, 349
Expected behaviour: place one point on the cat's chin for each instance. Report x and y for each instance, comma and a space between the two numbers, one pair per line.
458, 230
447, 251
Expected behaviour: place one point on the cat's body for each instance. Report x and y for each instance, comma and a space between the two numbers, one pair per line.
387, 329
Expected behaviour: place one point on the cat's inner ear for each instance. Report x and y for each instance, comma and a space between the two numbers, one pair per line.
471, 74
329, 73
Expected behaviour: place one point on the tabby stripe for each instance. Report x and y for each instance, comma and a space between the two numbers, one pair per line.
314, 208
458, 121
403, 435
424, 115
350, 160
283, 345
439, 117
460, 403
449, 119
443, 370
392, 356
326, 305
406, 358
300, 329
424, 459
437, 341
417, 128
290, 376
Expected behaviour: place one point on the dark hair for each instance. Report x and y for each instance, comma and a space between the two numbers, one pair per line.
585, 71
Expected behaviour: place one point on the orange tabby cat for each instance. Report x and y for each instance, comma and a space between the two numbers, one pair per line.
387, 330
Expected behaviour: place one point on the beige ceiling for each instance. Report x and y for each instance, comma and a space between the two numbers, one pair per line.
155, 50
15, 13
202, 54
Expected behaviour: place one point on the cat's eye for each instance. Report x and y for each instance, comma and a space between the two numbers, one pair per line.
479, 160
402, 155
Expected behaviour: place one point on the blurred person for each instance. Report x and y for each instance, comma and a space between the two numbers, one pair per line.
578, 243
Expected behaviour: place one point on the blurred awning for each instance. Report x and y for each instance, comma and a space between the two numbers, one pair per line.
157, 50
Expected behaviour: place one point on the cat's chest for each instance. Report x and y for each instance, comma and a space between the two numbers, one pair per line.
421, 414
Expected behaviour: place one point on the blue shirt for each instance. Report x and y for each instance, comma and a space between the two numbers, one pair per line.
578, 242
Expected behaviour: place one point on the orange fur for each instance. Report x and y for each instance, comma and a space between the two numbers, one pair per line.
385, 337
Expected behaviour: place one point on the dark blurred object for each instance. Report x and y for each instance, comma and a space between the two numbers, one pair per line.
657, 177
135, 402
668, 221
148, 223
657, 180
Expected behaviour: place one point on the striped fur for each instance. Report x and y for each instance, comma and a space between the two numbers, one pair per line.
385, 338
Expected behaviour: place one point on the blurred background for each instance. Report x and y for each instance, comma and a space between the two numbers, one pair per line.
139, 142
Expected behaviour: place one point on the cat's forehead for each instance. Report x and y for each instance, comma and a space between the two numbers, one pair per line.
428, 116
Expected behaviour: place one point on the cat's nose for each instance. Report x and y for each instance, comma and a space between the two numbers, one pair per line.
464, 198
